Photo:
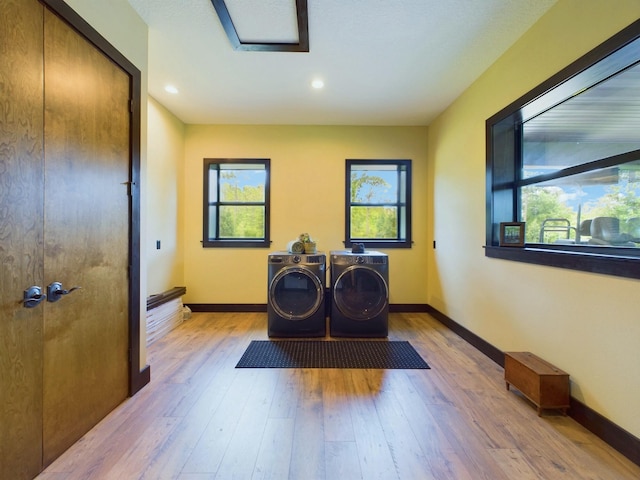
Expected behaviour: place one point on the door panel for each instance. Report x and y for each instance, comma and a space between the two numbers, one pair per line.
360, 293
21, 206
86, 236
296, 293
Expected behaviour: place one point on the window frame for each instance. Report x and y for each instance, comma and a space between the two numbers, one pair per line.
504, 162
399, 242
207, 242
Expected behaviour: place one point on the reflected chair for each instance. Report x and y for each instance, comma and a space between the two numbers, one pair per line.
633, 229
584, 230
557, 226
606, 231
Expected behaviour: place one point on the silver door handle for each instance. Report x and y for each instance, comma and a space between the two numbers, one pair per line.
32, 297
55, 291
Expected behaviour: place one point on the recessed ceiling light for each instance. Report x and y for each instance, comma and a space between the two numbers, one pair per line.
171, 89
317, 84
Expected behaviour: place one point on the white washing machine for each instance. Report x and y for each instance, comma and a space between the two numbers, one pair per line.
295, 298
359, 294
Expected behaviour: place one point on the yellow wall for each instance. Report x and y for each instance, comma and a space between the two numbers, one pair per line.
165, 196
307, 195
586, 324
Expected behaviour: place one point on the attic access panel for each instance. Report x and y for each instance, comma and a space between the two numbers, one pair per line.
302, 45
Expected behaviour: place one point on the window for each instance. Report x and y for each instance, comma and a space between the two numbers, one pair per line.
565, 159
378, 203
236, 203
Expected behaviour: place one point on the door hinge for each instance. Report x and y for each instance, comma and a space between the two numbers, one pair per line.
129, 184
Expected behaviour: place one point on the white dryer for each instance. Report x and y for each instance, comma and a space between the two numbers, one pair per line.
359, 294
295, 297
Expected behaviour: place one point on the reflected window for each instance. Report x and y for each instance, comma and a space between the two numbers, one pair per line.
583, 132
565, 159
563, 210
572, 156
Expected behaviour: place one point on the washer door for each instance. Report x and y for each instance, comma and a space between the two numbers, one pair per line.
295, 293
360, 293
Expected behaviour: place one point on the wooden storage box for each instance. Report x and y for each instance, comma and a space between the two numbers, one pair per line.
542, 383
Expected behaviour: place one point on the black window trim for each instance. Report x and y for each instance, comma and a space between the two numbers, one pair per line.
407, 242
244, 242
621, 262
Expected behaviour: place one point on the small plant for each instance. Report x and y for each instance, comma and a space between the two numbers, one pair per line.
305, 238
309, 243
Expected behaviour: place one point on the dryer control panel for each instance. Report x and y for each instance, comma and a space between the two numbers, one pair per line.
367, 258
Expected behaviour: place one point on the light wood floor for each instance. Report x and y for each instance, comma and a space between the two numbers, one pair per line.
201, 418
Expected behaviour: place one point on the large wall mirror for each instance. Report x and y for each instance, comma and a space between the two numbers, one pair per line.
565, 159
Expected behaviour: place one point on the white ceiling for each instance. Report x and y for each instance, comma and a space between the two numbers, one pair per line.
384, 62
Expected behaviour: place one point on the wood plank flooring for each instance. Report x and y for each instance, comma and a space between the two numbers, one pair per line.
201, 418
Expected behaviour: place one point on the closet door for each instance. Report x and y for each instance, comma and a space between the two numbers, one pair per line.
21, 234
87, 174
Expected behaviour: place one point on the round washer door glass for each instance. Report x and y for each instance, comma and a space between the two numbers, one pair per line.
360, 293
296, 293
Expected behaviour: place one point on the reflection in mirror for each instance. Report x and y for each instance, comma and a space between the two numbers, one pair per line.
575, 191
598, 122
562, 210
565, 159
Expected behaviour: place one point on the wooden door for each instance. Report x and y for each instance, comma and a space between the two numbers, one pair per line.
64, 216
21, 234
87, 174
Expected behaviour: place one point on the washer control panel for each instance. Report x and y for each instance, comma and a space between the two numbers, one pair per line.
285, 258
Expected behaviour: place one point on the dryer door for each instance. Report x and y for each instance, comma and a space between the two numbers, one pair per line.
360, 293
295, 293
